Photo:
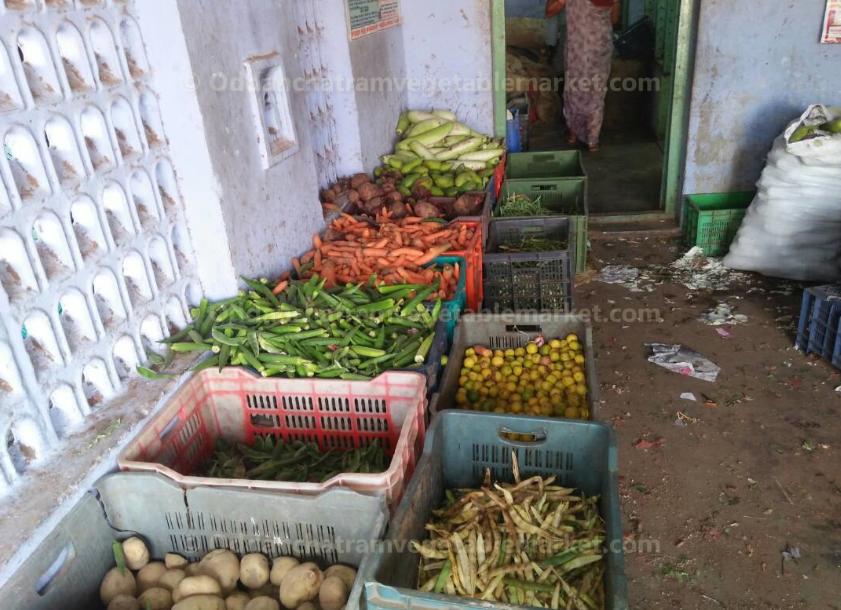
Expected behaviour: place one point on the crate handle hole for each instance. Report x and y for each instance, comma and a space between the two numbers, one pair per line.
513, 437
524, 328
58, 567
169, 427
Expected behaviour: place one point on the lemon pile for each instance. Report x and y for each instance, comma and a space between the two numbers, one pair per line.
543, 378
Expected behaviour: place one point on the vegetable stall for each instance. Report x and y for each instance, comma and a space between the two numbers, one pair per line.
427, 305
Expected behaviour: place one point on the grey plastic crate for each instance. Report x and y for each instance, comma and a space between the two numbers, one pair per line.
66, 569
459, 447
503, 331
529, 281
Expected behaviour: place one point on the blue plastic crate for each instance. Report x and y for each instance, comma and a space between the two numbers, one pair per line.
817, 327
452, 309
459, 447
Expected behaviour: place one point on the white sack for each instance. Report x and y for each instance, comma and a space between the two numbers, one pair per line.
793, 227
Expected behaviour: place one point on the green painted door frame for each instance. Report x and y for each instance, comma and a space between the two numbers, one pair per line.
678, 121
678, 130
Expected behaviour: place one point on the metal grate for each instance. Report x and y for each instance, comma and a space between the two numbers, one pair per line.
95, 263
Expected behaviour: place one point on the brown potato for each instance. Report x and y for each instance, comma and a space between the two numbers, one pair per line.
300, 585
358, 180
280, 566
124, 602
156, 598
149, 576
172, 561
333, 593
135, 552
254, 570
117, 582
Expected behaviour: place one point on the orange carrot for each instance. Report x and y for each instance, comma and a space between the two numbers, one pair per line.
280, 287
432, 254
410, 252
375, 252
297, 265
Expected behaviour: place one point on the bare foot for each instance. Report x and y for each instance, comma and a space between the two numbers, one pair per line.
572, 140
594, 148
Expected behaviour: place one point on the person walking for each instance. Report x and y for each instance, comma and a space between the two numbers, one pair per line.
589, 52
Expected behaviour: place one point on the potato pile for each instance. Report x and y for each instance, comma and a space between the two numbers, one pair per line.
386, 194
221, 581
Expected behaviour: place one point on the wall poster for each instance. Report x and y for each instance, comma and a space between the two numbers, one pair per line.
831, 33
366, 17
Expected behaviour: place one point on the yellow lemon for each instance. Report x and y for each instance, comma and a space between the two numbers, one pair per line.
571, 337
531, 348
578, 376
498, 361
579, 359
571, 413
469, 363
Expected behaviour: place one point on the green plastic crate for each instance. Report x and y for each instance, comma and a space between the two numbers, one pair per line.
459, 447
712, 220
546, 164
567, 197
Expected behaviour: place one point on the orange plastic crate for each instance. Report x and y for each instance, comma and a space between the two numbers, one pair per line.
237, 405
473, 259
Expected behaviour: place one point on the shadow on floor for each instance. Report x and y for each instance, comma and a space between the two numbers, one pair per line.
624, 175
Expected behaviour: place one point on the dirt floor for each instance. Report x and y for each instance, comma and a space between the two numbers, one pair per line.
743, 497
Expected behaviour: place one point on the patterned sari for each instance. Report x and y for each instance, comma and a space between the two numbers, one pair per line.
589, 51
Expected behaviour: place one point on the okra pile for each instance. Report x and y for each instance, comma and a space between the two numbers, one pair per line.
298, 461
530, 543
354, 332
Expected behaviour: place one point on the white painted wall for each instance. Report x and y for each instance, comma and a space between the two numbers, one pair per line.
449, 42
269, 215
245, 220
379, 70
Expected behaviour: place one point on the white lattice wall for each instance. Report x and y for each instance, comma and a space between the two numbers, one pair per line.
95, 261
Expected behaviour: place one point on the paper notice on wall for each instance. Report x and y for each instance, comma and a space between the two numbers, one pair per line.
366, 17
832, 23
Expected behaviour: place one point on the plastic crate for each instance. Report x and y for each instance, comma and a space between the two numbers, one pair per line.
431, 369
484, 216
237, 405
66, 569
711, 221
817, 327
503, 331
472, 256
459, 447
452, 309
547, 164
565, 197
499, 174
529, 281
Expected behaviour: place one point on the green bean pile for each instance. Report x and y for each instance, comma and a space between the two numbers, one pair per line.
274, 460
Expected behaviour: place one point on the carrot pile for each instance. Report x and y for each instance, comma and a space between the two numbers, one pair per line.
394, 251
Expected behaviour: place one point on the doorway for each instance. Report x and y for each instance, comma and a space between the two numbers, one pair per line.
638, 167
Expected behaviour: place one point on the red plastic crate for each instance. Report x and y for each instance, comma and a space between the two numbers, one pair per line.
473, 260
237, 405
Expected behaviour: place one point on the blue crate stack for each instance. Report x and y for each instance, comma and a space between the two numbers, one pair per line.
817, 330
